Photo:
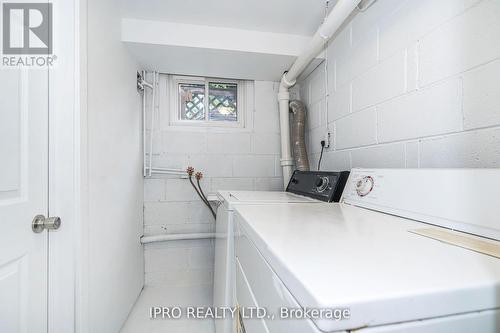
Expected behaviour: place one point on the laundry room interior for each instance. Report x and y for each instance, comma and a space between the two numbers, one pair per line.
226, 158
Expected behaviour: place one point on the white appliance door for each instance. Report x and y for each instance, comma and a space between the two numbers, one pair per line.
23, 195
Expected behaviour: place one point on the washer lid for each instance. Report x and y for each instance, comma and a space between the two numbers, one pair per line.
341, 256
242, 197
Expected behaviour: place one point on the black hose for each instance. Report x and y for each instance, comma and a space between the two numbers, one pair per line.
202, 197
196, 189
206, 200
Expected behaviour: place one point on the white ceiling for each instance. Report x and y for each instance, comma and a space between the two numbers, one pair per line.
301, 17
181, 48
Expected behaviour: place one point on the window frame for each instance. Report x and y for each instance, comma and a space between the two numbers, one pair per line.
175, 110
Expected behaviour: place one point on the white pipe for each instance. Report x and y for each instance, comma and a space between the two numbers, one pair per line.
145, 84
169, 169
151, 130
161, 172
332, 23
181, 174
143, 127
171, 237
286, 150
148, 168
169, 172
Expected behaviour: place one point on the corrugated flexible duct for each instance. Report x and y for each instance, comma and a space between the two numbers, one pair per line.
300, 158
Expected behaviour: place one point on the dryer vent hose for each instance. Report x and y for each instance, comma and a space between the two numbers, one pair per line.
298, 111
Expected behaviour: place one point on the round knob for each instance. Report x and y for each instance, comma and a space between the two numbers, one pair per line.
364, 186
322, 184
40, 223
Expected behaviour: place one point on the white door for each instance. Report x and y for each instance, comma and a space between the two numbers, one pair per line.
23, 194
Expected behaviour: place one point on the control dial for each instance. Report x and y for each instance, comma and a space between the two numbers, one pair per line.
364, 186
322, 183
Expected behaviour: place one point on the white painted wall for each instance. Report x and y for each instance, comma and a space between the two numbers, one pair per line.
237, 159
410, 84
113, 255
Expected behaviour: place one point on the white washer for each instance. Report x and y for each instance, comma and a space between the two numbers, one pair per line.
365, 255
323, 186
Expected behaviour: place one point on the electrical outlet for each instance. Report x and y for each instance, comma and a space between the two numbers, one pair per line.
328, 139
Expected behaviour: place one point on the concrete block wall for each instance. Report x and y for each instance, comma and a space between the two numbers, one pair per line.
236, 159
410, 84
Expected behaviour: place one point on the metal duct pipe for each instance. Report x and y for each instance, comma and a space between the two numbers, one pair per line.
301, 160
333, 21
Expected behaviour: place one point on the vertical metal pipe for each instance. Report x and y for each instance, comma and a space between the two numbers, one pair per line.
152, 124
143, 126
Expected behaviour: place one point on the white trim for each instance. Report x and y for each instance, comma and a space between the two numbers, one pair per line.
81, 170
64, 149
174, 111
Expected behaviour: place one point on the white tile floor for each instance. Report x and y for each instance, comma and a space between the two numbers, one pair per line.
167, 296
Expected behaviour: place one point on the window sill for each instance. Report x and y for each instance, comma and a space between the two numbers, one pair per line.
206, 129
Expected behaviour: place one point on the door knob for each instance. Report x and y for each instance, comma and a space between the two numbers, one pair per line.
40, 223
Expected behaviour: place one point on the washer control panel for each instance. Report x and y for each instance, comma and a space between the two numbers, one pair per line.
459, 199
321, 185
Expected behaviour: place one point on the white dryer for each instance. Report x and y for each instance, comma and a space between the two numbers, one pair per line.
404, 251
312, 187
